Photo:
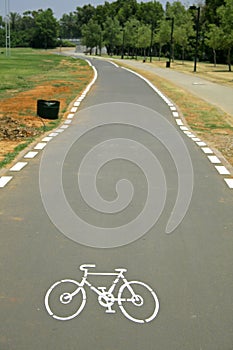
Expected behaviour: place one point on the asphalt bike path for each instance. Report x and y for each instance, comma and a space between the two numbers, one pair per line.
188, 271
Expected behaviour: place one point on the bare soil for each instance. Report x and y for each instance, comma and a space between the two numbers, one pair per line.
18, 113
201, 119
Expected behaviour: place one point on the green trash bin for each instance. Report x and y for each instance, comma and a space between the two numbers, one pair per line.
48, 109
168, 64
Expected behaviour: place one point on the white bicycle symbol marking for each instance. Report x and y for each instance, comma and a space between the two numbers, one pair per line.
139, 308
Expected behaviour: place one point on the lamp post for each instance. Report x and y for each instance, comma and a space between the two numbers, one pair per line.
198, 9
171, 40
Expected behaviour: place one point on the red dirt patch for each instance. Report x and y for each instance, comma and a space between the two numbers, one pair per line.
18, 111
18, 118
24, 103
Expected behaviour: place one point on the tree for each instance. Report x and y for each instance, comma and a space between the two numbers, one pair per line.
130, 29
163, 35
28, 20
83, 16
15, 20
22, 29
68, 26
183, 32
183, 26
210, 11
150, 12
143, 37
126, 11
225, 13
46, 30
91, 34
1, 22
111, 34
102, 13
213, 39
176, 10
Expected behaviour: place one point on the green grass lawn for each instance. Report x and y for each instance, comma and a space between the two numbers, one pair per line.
26, 67
28, 75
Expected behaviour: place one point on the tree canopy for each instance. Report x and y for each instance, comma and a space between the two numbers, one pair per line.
143, 26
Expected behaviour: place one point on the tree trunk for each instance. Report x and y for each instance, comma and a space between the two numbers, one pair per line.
173, 58
215, 60
160, 49
229, 59
183, 55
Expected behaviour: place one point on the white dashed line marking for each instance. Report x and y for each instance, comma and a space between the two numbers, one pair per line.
40, 145
179, 122
214, 159
198, 83
74, 109
222, 170
47, 139
196, 139
4, 180
18, 166
229, 182
207, 150
201, 143
53, 134
30, 155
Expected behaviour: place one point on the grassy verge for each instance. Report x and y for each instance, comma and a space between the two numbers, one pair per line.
27, 76
9, 157
209, 123
25, 68
217, 74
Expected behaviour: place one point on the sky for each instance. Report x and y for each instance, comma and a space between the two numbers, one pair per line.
59, 7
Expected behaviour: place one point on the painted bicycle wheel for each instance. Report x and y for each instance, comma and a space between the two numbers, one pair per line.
65, 300
138, 302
